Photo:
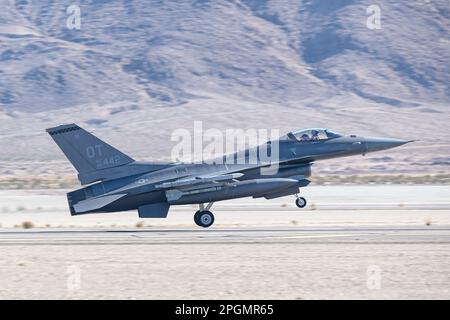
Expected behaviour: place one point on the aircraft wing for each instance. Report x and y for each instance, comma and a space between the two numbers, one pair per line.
99, 202
227, 174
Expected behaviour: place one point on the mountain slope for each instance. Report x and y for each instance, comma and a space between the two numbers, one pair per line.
140, 68
171, 52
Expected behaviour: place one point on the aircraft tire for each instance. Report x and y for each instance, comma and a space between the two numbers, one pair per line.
204, 219
300, 202
196, 217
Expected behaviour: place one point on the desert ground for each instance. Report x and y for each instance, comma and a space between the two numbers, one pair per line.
351, 242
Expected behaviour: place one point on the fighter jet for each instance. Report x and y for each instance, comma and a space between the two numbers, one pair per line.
113, 181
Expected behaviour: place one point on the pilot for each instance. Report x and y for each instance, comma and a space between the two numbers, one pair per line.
304, 137
314, 135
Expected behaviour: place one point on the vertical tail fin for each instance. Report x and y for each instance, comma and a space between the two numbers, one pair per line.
86, 152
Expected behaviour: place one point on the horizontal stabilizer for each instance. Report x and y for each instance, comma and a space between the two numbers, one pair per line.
92, 204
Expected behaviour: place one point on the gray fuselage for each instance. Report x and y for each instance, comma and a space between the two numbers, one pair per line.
294, 160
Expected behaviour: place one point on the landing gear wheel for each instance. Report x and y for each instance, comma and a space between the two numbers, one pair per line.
204, 218
300, 202
196, 217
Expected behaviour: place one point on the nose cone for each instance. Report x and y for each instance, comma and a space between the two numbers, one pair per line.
377, 144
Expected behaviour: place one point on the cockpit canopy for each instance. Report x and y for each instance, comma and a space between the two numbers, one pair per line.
312, 134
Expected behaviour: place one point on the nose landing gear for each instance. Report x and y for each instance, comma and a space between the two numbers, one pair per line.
203, 217
300, 202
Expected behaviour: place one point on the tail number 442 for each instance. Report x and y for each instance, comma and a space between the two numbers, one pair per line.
95, 152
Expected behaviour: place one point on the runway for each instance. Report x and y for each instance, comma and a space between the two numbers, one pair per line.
240, 235
376, 262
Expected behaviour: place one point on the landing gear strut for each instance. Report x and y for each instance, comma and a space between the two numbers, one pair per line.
203, 217
300, 202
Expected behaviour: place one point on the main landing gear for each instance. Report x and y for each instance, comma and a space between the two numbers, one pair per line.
203, 217
300, 201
